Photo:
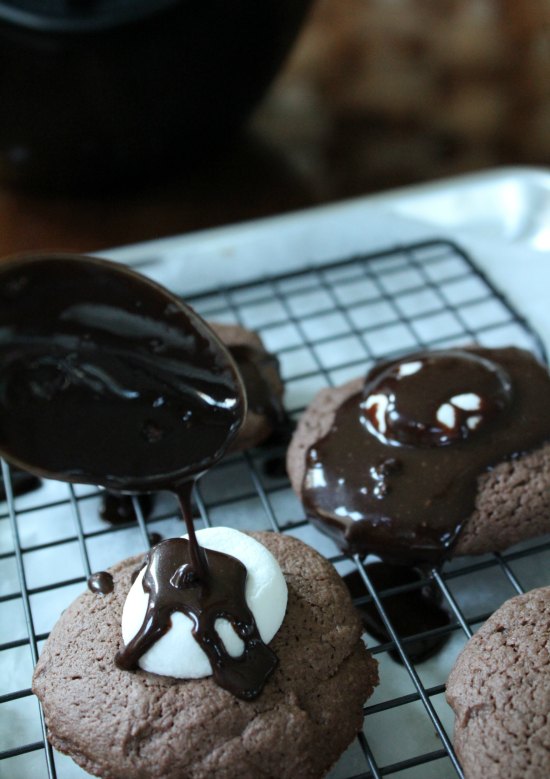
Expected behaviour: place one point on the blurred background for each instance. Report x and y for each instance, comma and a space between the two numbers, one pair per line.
374, 94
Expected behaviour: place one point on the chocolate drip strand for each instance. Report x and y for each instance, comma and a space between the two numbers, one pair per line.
198, 561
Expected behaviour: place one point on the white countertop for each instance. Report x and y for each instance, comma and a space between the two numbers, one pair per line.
501, 218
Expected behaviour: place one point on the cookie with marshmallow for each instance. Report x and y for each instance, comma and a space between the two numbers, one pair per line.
512, 503
124, 724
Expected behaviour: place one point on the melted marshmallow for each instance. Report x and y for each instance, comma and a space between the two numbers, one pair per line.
177, 653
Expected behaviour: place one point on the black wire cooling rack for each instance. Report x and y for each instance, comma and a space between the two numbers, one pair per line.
326, 325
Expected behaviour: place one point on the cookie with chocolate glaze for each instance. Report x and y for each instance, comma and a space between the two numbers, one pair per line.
433, 455
122, 724
499, 689
263, 384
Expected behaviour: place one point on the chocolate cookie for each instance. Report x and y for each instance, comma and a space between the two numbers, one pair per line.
119, 724
264, 387
403, 493
499, 689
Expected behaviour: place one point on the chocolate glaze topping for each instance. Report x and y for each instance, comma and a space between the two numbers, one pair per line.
172, 585
101, 582
106, 378
397, 473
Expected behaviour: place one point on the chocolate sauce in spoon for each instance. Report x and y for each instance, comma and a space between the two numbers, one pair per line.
106, 378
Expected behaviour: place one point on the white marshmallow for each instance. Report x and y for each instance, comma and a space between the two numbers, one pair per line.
474, 422
380, 403
409, 368
177, 653
468, 401
446, 416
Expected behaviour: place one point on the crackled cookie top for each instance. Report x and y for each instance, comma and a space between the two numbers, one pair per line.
500, 692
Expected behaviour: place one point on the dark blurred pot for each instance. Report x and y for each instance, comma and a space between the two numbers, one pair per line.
101, 94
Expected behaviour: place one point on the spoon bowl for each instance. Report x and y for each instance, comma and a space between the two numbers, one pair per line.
107, 378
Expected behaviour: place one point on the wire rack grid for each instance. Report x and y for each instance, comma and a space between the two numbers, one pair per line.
326, 325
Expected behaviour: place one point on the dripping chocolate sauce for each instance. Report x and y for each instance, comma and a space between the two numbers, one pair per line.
106, 378
405, 498
172, 584
205, 585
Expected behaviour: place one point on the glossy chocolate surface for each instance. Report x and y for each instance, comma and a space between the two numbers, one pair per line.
101, 582
397, 473
107, 379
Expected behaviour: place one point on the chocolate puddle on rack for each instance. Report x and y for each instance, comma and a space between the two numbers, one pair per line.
412, 612
118, 509
106, 378
21, 483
